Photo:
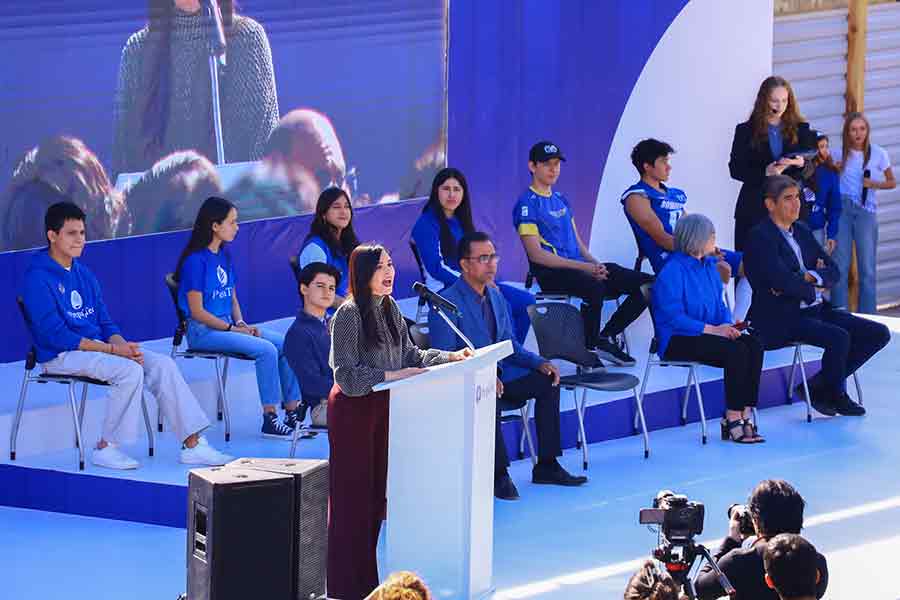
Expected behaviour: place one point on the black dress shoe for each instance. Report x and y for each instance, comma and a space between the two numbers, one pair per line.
554, 474
823, 400
847, 407
504, 488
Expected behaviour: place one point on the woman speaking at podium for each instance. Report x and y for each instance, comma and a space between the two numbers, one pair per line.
369, 345
163, 97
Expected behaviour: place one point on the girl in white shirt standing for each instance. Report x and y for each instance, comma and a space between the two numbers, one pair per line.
864, 168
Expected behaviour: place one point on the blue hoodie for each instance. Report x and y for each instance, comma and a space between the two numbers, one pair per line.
826, 210
64, 306
686, 296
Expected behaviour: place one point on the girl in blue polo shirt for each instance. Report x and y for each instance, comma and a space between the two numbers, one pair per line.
331, 238
207, 294
445, 218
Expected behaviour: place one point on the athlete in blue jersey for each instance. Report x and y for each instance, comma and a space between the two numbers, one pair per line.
562, 263
653, 209
331, 238
445, 218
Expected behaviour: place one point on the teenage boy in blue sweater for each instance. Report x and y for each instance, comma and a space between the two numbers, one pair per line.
307, 343
75, 335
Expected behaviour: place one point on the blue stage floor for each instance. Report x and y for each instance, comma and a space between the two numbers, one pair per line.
565, 543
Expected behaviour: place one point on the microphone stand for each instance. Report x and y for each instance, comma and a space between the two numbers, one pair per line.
214, 59
455, 329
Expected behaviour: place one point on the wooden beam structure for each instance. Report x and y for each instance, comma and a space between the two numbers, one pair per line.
857, 28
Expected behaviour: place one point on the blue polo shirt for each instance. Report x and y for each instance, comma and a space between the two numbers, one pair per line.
668, 205
212, 275
550, 218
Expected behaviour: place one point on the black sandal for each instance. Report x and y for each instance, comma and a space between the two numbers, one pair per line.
752, 433
733, 431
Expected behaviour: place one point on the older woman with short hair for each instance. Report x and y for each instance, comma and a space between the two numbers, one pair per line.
693, 323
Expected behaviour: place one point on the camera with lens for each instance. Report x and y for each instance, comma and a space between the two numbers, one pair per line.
679, 520
678, 517
743, 517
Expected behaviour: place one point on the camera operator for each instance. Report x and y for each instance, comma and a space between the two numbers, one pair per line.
652, 583
775, 507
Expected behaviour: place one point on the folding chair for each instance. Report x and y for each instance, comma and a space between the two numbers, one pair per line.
70, 381
559, 329
653, 359
421, 312
220, 359
797, 363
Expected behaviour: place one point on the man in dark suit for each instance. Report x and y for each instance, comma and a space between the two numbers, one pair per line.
484, 319
788, 271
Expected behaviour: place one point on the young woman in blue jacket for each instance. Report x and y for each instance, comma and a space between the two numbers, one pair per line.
445, 218
693, 323
331, 238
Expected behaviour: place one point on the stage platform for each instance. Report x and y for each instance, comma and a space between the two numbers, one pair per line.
45, 475
846, 468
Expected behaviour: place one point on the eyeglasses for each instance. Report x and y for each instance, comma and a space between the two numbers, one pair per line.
484, 258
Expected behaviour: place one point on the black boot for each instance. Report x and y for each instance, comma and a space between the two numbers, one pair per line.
504, 488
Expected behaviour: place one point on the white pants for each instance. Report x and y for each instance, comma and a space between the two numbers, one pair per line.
128, 380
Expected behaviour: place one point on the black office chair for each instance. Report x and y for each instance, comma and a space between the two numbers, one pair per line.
295, 268
541, 297
559, 329
220, 359
70, 381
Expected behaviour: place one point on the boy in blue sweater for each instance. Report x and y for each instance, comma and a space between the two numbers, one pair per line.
307, 343
75, 335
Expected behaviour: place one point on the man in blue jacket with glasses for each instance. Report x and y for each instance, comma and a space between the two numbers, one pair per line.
484, 318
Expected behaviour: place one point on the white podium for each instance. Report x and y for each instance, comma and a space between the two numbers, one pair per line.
440, 485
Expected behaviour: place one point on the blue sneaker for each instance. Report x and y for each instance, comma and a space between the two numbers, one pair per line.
273, 428
294, 418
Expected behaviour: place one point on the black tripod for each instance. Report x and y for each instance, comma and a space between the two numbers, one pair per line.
680, 558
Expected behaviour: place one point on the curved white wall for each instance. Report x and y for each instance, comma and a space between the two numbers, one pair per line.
699, 82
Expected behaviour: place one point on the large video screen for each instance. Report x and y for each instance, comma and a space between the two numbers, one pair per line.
111, 105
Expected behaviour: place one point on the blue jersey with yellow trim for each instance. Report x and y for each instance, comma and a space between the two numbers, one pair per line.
550, 218
668, 205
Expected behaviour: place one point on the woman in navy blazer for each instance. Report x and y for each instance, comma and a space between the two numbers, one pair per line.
770, 142
693, 323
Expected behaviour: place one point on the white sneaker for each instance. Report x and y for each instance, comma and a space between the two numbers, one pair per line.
319, 414
113, 458
203, 454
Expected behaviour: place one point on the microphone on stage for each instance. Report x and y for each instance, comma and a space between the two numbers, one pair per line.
434, 299
215, 30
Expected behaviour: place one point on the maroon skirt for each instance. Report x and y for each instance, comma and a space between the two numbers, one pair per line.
358, 442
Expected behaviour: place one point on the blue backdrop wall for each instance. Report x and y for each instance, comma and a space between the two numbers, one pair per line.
519, 71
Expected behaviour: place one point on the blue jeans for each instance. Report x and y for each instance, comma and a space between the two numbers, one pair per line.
274, 377
519, 300
860, 226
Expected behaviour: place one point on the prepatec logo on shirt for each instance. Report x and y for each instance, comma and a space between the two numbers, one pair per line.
75, 299
222, 276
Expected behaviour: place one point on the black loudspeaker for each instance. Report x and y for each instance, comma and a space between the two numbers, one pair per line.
310, 532
240, 534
